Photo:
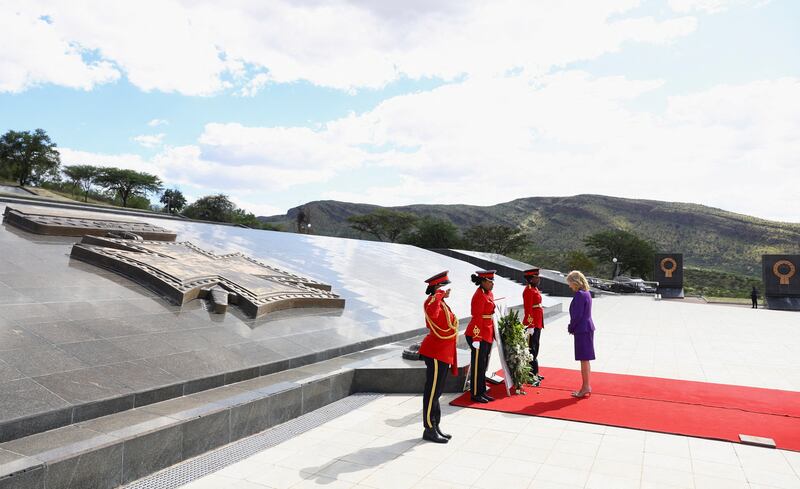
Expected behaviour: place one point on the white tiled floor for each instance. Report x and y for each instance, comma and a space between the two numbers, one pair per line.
379, 446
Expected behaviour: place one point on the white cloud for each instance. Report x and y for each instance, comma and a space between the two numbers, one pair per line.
155, 43
201, 48
484, 141
511, 122
150, 140
252, 87
710, 6
187, 165
467, 38
733, 147
259, 209
126, 160
35, 52
277, 147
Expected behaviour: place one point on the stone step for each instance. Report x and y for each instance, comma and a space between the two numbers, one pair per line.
106, 452
51, 419
116, 449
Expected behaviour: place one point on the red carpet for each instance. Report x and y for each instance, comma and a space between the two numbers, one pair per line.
705, 410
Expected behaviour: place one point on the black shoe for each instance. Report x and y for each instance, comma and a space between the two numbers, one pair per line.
431, 434
442, 434
488, 397
479, 399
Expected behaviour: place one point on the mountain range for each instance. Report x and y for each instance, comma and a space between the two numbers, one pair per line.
708, 237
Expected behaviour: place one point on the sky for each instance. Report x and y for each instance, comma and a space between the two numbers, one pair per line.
277, 103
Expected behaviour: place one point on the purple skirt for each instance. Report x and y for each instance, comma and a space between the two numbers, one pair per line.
584, 346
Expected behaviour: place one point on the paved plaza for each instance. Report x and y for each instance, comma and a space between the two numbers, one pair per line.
378, 445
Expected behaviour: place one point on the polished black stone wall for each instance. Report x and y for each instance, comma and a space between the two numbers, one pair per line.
781, 274
550, 283
668, 270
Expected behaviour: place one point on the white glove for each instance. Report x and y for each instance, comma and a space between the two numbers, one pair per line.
476, 344
528, 331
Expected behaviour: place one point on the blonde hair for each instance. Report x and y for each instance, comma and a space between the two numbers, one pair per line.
578, 279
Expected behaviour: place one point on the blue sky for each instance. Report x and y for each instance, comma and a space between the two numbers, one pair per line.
279, 103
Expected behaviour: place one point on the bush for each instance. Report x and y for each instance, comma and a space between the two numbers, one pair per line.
135, 202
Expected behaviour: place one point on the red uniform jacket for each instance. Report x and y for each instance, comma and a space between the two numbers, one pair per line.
443, 331
481, 327
532, 302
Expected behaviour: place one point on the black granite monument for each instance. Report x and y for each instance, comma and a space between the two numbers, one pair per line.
550, 282
781, 281
66, 222
668, 272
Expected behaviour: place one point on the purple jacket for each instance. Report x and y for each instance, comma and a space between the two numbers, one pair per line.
580, 313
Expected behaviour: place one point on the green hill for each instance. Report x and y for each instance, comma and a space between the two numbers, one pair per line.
713, 283
709, 238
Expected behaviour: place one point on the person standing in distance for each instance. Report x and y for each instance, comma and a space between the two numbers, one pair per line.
534, 319
480, 333
438, 349
581, 327
754, 297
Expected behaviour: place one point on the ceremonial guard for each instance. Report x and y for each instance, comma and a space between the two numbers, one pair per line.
480, 333
534, 319
438, 349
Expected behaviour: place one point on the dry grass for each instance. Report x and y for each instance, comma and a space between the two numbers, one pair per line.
729, 300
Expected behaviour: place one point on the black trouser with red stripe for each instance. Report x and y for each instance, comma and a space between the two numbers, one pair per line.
479, 362
435, 376
533, 346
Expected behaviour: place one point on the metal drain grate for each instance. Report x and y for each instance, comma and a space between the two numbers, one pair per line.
208, 463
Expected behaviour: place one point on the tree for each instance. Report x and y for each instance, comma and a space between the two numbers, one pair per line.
245, 218
432, 232
632, 252
578, 260
384, 224
218, 208
29, 157
545, 258
495, 239
82, 177
128, 183
173, 200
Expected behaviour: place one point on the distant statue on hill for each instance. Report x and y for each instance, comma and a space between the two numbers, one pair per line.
303, 221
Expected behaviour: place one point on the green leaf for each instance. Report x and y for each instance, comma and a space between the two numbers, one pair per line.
515, 349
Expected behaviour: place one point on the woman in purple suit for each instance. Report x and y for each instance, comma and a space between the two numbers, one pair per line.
581, 327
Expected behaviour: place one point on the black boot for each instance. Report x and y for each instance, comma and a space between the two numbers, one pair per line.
441, 433
487, 397
480, 399
431, 434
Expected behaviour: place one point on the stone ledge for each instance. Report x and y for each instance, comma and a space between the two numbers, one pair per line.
783, 303
109, 451
50, 420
